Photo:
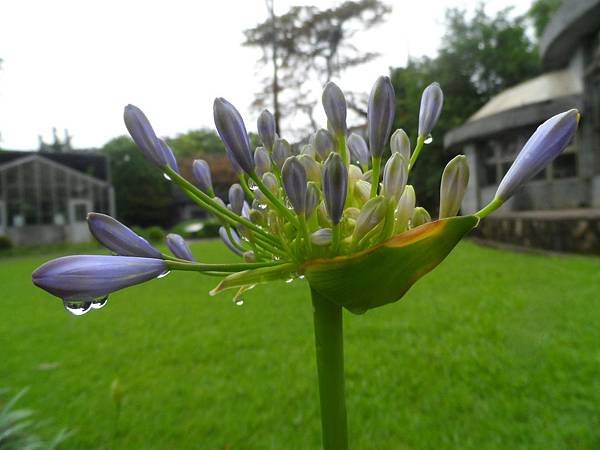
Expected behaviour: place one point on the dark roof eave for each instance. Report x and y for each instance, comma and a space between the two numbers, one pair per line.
531, 114
573, 20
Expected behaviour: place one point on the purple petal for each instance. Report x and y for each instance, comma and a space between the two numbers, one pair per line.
88, 277
179, 247
118, 238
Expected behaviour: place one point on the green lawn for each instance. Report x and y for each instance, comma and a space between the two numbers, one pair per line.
494, 350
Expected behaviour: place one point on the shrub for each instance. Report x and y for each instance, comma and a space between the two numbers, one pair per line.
155, 234
5, 243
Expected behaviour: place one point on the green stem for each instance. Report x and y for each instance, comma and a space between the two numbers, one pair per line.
329, 343
490, 208
237, 267
245, 187
375, 175
415, 155
275, 201
335, 242
343, 149
212, 206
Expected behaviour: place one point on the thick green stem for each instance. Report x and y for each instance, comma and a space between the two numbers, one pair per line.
490, 208
329, 342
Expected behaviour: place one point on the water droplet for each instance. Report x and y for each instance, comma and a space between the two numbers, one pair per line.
301, 277
238, 301
253, 187
100, 303
428, 139
77, 307
262, 206
167, 177
164, 274
289, 280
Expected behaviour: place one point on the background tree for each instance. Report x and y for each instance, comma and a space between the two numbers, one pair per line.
143, 197
309, 44
480, 56
541, 12
196, 143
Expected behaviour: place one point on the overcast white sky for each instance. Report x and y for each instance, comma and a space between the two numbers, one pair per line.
75, 63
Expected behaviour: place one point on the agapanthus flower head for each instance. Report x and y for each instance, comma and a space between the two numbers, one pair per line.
316, 210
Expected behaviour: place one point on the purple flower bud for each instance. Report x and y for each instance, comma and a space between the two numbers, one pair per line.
334, 104
322, 237
359, 151
282, 150
395, 174
400, 143
313, 198
201, 171
550, 138
89, 277
225, 238
293, 177
432, 101
143, 135
324, 144
335, 186
236, 198
380, 115
168, 155
179, 247
266, 129
232, 131
118, 238
262, 161
454, 185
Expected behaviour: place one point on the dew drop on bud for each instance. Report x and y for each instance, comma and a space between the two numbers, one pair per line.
164, 274
100, 303
77, 307
428, 139
167, 177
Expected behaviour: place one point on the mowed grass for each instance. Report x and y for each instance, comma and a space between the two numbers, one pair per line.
493, 350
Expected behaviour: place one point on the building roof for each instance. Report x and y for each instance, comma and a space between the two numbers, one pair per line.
527, 103
574, 20
543, 88
88, 162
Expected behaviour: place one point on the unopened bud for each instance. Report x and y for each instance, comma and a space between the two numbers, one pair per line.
400, 143
432, 101
454, 185
334, 104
